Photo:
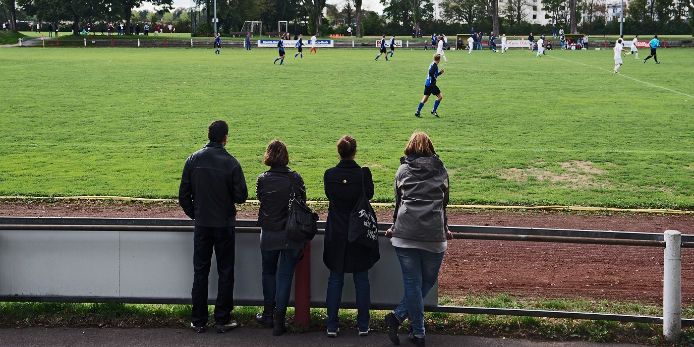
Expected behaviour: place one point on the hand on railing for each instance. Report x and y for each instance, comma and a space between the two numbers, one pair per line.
389, 232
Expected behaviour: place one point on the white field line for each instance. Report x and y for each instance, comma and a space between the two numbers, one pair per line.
625, 76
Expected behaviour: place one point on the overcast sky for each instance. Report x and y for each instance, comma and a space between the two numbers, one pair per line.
373, 5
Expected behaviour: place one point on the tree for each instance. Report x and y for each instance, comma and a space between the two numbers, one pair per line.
408, 12
358, 14
74, 10
573, 16
637, 11
556, 10
463, 11
494, 13
11, 6
515, 10
348, 13
315, 14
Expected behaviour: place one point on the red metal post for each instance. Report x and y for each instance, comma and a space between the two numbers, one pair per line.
302, 290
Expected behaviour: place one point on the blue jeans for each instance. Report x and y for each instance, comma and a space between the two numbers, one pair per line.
334, 299
420, 270
277, 281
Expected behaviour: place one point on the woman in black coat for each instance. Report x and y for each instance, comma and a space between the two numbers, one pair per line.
343, 187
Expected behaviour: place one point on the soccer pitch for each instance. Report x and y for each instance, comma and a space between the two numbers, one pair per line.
514, 129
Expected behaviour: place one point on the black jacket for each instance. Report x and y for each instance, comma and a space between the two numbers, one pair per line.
211, 183
343, 187
273, 190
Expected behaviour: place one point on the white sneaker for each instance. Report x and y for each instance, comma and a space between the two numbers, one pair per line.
332, 334
364, 333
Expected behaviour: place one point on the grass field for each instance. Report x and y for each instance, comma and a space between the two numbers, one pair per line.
514, 129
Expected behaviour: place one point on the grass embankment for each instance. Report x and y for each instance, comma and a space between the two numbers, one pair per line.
153, 316
514, 129
10, 37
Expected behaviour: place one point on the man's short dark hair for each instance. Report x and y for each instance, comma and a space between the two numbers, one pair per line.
217, 131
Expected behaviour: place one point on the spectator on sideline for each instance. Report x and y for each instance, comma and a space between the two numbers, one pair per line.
50, 30
146, 28
343, 187
481, 36
137, 29
248, 41
211, 183
4, 26
274, 188
419, 233
585, 41
531, 41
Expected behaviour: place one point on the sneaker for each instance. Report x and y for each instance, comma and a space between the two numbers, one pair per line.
364, 333
265, 321
332, 333
418, 115
198, 328
222, 328
435, 114
418, 341
393, 324
657, 62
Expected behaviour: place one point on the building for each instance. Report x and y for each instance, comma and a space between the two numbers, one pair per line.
533, 11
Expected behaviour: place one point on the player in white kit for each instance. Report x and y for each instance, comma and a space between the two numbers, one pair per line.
634, 49
439, 49
618, 47
470, 44
504, 45
540, 47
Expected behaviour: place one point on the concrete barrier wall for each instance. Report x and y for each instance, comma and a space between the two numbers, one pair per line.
156, 267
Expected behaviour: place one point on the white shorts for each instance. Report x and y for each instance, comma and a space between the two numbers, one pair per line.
634, 49
439, 52
618, 60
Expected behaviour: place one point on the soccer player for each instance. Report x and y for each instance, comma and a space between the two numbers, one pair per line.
431, 88
299, 48
634, 48
492, 42
248, 41
313, 50
433, 40
439, 49
654, 44
280, 47
470, 45
392, 46
540, 46
618, 47
218, 44
504, 45
382, 48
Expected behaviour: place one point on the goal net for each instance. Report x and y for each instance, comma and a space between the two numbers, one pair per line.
254, 27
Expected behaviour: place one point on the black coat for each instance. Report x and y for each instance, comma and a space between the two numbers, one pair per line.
343, 187
211, 183
273, 191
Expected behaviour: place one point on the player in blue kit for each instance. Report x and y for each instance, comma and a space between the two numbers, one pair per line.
431, 88
382, 49
392, 46
280, 47
299, 48
218, 44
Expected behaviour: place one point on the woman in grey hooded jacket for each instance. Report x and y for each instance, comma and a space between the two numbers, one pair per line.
420, 231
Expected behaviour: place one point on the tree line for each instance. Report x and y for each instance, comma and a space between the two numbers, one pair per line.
401, 17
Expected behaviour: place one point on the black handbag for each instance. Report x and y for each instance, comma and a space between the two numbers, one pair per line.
302, 222
363, 225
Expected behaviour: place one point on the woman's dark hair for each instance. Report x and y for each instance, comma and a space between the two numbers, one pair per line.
276, 154
217, 130
347, 147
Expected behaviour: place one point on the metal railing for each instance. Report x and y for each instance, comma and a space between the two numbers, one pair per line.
671, 240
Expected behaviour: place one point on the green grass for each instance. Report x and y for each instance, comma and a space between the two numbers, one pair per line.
515, 129
10, 38
16, 315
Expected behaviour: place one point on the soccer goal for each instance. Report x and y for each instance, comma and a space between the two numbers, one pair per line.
282, 24
255, 27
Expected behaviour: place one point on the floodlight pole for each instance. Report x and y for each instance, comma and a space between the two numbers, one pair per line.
621, 17
214, 20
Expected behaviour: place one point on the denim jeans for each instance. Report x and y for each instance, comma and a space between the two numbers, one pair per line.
420, 270
334, 298
277, 280
223, 242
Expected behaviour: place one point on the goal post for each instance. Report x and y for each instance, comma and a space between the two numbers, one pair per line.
255, 27
282, 24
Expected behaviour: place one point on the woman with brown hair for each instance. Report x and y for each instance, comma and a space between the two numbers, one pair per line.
274, 189
420, 231
344, 185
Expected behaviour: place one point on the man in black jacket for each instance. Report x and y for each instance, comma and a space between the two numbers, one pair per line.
212, 182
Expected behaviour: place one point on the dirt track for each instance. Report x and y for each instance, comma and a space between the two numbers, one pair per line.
477, 267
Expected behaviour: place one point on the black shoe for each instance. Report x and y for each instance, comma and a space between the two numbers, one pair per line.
279, 326
657, 62
265, 318
418, 115
222, 328
435, 114
393, 324
417, 341
198, 328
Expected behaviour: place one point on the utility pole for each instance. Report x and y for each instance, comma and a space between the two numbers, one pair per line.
215, 20
621, 17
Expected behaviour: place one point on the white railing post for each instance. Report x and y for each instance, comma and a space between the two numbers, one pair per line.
138, 43
20, 42
191, 43
352, 43
408, 43
85, 42
672, 286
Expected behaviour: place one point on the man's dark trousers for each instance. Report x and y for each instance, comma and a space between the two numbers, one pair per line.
223, 240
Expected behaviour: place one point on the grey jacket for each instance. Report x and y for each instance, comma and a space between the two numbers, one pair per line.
421, 197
